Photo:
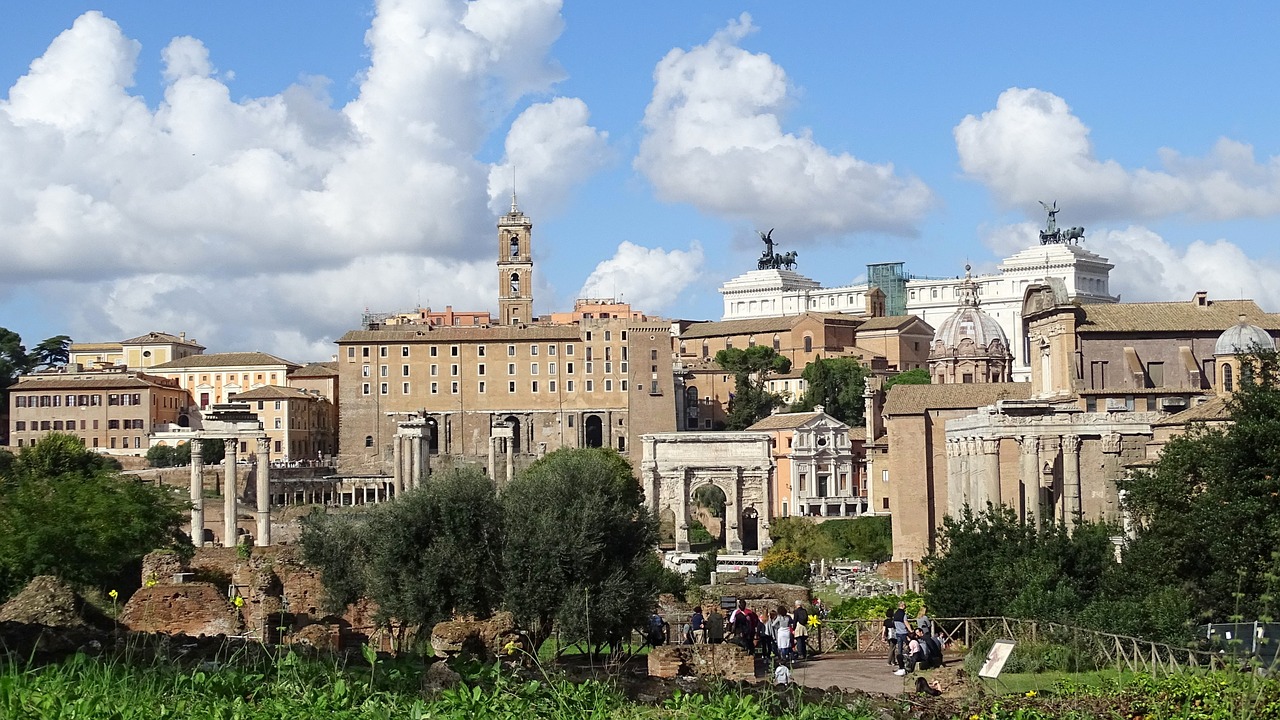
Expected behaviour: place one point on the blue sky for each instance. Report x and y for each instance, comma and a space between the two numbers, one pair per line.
265, 180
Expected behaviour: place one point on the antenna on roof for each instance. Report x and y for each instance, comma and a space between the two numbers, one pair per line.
514, 208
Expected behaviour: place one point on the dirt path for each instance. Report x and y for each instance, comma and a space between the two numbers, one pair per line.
848, 673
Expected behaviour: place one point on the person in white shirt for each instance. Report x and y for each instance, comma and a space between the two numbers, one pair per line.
783, 636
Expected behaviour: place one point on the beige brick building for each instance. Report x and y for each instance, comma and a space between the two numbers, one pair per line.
113, 411
139, 353
299, 424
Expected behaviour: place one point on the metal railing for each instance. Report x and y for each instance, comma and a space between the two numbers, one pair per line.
1120, 652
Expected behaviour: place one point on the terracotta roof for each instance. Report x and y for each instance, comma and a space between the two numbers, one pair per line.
916, 399
92, 347
785, 421
108, 381
272, 392
316, 369
495, 333
1217, 315
1214, 410
229, 359
160, 337
858, 433
889, 322
752, 326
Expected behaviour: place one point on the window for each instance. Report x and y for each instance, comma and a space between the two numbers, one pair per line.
533, 349
382, 351
511, 351
453, 387
803, 477
551, 386
624, 367
368, 441
480, 350
568, 386
608, 367
588, 336
533, 368
551, 350
434, 351
364, 390
511, 368
607, 336
453, 371
589, 353
383, 388
511, 386
435, 388
113, 424
534, 386
568, 349
653, 354
404, 388
1228, 383
435, 370
568, 368
480, 369
590, 386
351, 353
608, 353
608, 385
589, 367
480, 387
1155, 374
551, 368
364, 371
364, 351
808, 343
384, 370
404, 351
277, 404
1091, 404
453, 351
885, 503
404, 370
277, 423
20, 425
624, 386
278, 446
57, 425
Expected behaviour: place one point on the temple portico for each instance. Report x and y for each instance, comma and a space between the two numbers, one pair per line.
233, 424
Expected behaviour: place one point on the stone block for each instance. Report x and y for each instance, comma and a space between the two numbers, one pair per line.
192, 609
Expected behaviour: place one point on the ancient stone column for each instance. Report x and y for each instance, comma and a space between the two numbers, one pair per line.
1071, 476
682, 509
954, 493
733, 514
197, 493
991, 457
1030, 476
263, 478
397, 472
229, 486
492, 456
511, 457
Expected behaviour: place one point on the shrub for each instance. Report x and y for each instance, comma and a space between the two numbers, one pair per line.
784, 566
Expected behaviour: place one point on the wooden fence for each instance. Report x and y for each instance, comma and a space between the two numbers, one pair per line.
1105, 650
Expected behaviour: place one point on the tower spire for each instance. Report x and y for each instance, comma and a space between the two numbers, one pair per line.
515, 209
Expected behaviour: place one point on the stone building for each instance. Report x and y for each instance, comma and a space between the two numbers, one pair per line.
1058, 254
818, 465
970, 346
1107, 381
298, 424
113, 411
216, 378
886, 344
518, 390
139, 353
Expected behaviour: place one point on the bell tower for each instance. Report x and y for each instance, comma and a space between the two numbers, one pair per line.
515, 267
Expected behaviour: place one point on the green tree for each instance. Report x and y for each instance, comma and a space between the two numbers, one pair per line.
919, 376
433, 552
991, 563
66, 511
864, 538
51, 352
578, 545
837, 385
751, 368
161, 456
1205, 516
784, 566
710, 497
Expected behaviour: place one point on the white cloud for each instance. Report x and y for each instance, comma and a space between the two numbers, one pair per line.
1031, 147
552, 149
236, 218
714, 139
651, 279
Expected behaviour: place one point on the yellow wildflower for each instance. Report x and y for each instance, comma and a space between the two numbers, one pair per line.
113, 595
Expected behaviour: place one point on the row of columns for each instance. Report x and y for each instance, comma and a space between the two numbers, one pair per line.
411, 456
973, 472
262, 492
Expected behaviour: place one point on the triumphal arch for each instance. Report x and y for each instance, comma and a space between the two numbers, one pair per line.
674, 465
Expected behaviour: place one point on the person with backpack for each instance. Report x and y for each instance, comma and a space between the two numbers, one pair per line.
696, 628
658, 628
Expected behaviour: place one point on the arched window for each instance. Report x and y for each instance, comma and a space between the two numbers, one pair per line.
515, 246
368, 441
515, 283
777, 343
1227, 384
706, 351
808, 343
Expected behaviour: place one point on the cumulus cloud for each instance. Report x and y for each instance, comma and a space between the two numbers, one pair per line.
235, 218
714, 139
1032, 147
550, 149
651, 279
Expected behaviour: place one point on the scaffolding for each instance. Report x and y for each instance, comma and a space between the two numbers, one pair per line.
891, 278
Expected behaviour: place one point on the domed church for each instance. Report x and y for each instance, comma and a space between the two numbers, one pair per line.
970, 346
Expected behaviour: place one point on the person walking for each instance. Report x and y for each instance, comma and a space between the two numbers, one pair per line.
888, 637
800, 619
784, 637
